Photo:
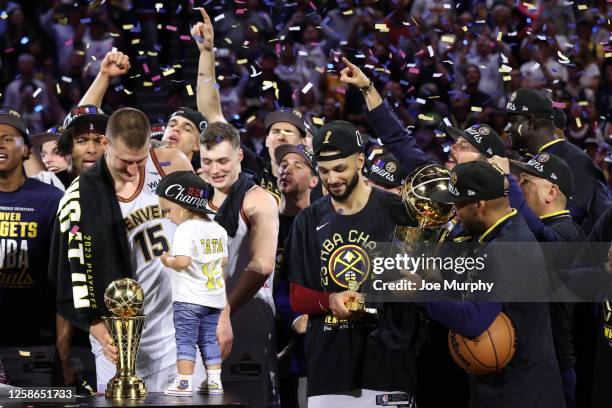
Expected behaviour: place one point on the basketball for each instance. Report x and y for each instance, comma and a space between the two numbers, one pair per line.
487, 353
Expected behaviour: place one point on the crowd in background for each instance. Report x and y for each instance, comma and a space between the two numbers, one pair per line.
439, 62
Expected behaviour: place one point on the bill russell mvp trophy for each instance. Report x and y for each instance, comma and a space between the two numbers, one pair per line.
124, 299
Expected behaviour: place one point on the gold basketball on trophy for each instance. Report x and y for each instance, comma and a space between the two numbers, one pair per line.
124, 297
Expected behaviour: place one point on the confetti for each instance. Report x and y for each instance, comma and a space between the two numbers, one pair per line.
414, 70
294, 28
171, 28
446, 121
189, 90
165, 164
58, 90
36, 92
242, 61
507, 78
317, 121
421, 101
145, 68
307, 88
560, 105
425, 117
219, 17
135, 41
582, 7
430, 50
534, 67
185, 38
169, 71
74, 229
578, 122
382, 27
583, 103
127, 26
348, 12
475, 108
24, 353
251, 118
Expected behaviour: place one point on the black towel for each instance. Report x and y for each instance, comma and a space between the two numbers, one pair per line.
229, 213
90, 229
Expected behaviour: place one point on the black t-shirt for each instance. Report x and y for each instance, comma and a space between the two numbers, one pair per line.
26, 295
328, 250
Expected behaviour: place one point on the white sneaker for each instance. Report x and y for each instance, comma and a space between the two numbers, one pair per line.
214, 387
181, 388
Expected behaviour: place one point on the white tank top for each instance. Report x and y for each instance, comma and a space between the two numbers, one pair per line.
149, 235
239, 257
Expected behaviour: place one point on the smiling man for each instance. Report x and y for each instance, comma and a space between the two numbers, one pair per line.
183, 130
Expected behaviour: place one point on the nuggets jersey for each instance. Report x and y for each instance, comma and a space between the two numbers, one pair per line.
149, 235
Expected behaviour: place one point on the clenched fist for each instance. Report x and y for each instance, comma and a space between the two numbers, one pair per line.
115, 63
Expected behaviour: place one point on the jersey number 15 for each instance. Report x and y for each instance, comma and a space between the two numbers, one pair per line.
152, 242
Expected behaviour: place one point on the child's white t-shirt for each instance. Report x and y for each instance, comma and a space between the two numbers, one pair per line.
201, 283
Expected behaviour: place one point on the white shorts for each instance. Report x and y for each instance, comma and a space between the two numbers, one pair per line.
362, 398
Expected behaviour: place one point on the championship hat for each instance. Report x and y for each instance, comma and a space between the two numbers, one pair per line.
384, 169
285, 116
195, 117
527, 101
472, 181
13, 118
301, 150
337, 135
552, 168
486, 140
186, 189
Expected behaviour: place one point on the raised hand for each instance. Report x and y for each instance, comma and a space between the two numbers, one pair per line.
353, 75
203, 32
115, 63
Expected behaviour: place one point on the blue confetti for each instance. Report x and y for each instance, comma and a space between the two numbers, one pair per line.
38, 108
24, 40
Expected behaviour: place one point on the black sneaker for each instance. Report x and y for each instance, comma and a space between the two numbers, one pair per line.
83, 389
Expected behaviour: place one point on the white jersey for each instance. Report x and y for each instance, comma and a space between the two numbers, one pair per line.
252, 361
239, 255
149, 235
201, 283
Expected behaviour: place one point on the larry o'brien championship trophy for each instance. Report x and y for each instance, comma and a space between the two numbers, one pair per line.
433, 218
124, 299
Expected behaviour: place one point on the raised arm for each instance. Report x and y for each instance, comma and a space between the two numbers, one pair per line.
262, 212
386, 124
115, 63
207, 94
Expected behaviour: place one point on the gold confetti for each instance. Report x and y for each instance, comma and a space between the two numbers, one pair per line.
583, 103
251, 118
382, 27
507, 78
425, 117
147, 83
348, 12
475, 108
127, 26
317, 121
128, 92
24, 353
189, 90
242, 61
582, 7
168, 72
136, 41
464, 28
58, 89
499, 36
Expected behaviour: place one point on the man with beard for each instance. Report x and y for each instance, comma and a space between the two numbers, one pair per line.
350, 361
531, 379
297, 177
476, 143
531, 127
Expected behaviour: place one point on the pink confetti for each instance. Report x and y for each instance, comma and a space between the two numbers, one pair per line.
414, 70
156, 78
277, 48
560, 105
74, 229
145, 68
69, 42
9, 50
341, 90
171, 28
313, 6
241, 11
185, 38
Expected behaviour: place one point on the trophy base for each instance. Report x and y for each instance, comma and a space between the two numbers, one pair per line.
125, 388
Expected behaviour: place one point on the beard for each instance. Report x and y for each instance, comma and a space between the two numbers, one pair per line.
349, 189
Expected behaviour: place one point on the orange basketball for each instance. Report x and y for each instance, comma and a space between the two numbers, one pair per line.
487, 353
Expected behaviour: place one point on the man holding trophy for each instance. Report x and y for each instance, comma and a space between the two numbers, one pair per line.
348, 364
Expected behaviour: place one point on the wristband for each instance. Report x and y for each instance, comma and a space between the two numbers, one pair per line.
367, 88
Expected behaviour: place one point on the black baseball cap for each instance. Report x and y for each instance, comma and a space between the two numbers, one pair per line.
527, 101
560, 118
385, 169
552, 168
486, 140
157, 131
301, 150
337, 135
195, 117
472, 181
13, 118
186, 189
292, 117
85, 114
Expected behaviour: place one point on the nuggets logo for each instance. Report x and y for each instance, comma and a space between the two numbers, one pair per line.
484, 131
543, 158
453, 178
391, 167
513, 97
349, 266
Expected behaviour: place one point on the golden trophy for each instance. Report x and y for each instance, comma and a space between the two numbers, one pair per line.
431, 216
124, 299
